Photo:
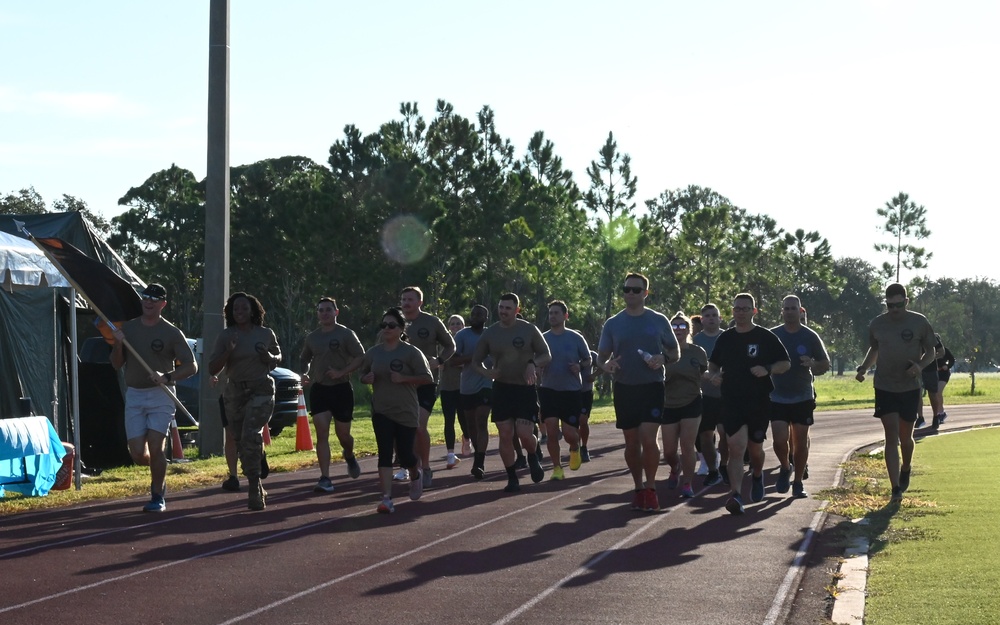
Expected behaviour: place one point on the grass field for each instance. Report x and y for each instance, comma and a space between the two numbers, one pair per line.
834, 393
933, 557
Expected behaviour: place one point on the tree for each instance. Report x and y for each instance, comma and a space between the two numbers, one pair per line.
24, 202
811, 263
611, 200
903, 219
162, 236
69, 203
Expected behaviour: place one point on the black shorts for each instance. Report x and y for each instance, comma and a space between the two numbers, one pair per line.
427, 396
586, 403
711, 413
636, 404
905, 404
689, 411
799, 413
337, 399
752, 411
480, 398
514, 401
929, 380
562, 405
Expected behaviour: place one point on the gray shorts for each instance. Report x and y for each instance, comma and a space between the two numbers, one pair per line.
147, 409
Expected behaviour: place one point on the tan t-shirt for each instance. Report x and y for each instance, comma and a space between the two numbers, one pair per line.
427, 333
398, 402
511, 349
160, 345
683, 378
255, 353
329, 350
900, 344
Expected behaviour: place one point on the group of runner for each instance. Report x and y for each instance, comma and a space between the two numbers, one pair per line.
713, 389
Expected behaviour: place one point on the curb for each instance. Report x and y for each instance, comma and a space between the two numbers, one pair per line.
849, 604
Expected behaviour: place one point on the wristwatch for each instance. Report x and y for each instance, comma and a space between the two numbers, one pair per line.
862, 368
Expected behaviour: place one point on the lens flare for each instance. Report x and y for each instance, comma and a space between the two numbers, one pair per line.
621, 233
405, 239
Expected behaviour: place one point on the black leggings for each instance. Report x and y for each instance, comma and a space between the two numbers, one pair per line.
391, 436
450, 404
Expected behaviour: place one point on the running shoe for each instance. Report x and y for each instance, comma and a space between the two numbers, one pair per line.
156, 504
428, 477
799, 491
805, 472
584, 454
324, 485
735, 504
453, 460
941, 417
386, 507
920, 423
478, 472
673, 480
897, 494
353, 468
537, 472
712, 479
558, 473
702, 465
538, 452
652, 504
756, 488
401, 476
687, 492
639, 499
783, 482
232, 484
417, 486
521, 462
904, 480
513, 486
466, 447
575, 460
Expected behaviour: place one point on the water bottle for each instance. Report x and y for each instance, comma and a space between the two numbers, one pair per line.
645, 355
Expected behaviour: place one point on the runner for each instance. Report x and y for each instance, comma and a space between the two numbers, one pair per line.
682, 407
475, 389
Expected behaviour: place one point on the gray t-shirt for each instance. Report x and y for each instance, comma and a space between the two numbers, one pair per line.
624, 335
465, 345
567, 348
329, 350
796, 385
159, 345
707, 343
427, 333
398, 402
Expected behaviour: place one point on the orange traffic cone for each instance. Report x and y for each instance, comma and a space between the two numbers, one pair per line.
267, 435
303, 437
176, 447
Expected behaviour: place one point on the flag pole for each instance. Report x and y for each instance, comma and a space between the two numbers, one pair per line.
100, 314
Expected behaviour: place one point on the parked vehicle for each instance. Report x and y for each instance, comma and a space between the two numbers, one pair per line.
287, 385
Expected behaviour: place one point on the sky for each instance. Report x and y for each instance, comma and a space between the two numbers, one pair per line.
815, 114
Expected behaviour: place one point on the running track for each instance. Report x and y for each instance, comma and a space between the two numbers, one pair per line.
558, 552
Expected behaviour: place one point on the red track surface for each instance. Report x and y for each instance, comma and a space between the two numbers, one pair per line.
566, 552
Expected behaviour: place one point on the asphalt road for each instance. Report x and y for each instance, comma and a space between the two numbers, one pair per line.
558, 552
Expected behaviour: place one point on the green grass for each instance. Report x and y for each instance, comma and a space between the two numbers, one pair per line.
835, 393
934, 556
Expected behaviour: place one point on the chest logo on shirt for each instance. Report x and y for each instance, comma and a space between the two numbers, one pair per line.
259, 347
396, 365
906, 335
695, 363
423, 333
753, 350
801, 350
156, 345
518, 342
334, 345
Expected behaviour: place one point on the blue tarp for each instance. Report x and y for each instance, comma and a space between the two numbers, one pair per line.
30, 455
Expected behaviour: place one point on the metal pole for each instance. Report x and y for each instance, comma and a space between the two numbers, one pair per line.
74, 380
216, 281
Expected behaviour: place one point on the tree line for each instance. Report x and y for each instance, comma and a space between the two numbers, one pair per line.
448, 205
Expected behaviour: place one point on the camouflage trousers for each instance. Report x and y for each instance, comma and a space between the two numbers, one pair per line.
248, 408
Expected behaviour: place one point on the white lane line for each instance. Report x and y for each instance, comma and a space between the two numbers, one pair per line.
589, 565
372, 567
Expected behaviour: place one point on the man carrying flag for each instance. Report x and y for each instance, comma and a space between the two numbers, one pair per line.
149, 408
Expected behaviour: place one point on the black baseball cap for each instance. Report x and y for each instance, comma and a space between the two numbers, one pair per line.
155, 290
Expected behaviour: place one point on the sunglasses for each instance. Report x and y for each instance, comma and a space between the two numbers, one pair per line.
895, 304
679, 326
632, 289
390, 326
742, 308
151, 298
